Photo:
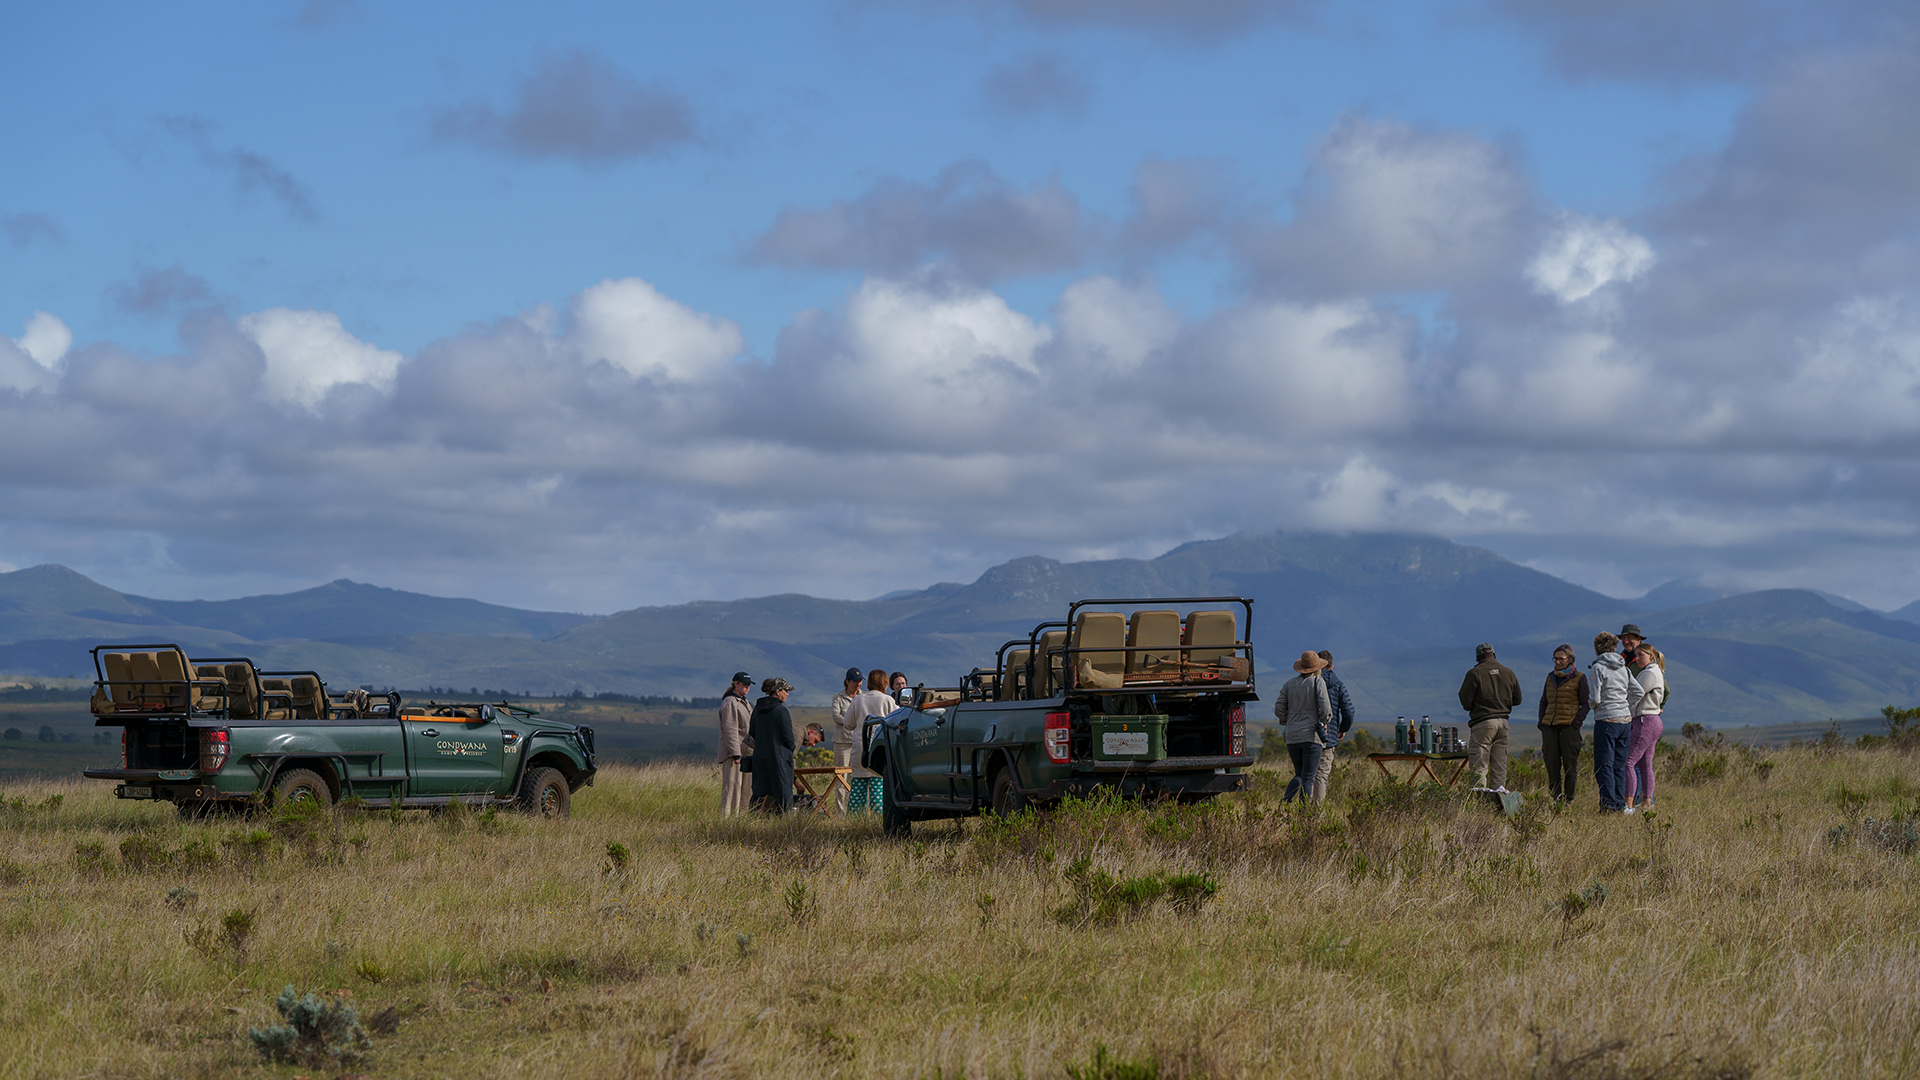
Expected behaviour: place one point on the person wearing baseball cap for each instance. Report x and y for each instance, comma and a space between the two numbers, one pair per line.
735, 714
1488, 693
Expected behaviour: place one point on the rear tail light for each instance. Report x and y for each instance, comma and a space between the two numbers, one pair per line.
123, 748
214, 747
1237, 730
1056, 737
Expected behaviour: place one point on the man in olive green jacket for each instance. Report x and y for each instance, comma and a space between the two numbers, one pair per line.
1488, 693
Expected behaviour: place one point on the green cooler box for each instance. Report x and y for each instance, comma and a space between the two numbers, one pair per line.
1129, 738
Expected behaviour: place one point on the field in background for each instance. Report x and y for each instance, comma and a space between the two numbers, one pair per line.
1761, 924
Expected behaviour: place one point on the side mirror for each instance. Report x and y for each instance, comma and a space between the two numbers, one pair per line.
486, 713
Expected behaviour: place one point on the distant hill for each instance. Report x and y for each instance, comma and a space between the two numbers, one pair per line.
1401, 614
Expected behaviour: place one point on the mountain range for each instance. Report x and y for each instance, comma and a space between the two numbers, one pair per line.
1400, 613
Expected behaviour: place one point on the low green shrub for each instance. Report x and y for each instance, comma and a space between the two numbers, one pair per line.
317, 1031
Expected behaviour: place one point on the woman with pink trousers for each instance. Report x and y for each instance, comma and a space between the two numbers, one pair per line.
1643, 738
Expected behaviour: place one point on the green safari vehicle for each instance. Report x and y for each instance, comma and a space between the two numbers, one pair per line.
1127, 695
208, 734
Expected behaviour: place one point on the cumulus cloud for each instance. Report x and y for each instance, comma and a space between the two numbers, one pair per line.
46, 340
1583, 256
576, 106
308, 353
1392, 207
1036, 84
1116, 323
983, 225
250, 171
628, 324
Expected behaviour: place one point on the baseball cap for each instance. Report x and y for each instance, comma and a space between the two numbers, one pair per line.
854, 673
743, 677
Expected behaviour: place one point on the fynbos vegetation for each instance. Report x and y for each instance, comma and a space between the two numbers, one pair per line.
1764, 916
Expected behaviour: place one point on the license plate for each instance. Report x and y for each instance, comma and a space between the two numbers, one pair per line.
1123, 743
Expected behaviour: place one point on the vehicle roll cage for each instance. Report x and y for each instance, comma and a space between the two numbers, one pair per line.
1070, 653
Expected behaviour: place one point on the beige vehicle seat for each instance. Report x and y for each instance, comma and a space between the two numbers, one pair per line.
243, 692
309, 697
116, 669
208, 680
1099, 630
1210, 628
1016, 676
277, 709
1049, 674
1158, 630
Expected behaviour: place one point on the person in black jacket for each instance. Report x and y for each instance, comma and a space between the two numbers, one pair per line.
772, 730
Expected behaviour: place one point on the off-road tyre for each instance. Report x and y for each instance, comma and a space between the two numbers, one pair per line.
1007, 799
544, 794
302, 785
893, 819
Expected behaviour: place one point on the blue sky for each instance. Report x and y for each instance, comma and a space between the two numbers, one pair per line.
738, 281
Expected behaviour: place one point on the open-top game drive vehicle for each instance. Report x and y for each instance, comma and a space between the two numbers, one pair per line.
1125, 694
211, 733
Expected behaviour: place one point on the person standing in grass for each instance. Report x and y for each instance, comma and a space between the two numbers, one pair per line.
870, 704
772, 732
1564, 705
849, 686
1613, 692
1643, 735
1343, 722
1305, 712
735, 715
1488, 693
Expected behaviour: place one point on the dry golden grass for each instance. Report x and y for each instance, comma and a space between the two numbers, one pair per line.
1734, 934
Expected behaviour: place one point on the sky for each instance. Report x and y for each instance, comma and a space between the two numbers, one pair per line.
588, 306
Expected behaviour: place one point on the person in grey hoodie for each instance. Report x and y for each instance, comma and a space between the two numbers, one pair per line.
1614, 692
1304, 711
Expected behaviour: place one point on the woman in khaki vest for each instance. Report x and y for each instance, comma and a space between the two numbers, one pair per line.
1563, 708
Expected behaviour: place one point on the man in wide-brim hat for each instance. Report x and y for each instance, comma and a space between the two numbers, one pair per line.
1304, 711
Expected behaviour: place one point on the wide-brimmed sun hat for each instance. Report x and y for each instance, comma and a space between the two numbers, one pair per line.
1308, 663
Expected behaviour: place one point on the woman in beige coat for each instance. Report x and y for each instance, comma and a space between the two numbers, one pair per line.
735, 712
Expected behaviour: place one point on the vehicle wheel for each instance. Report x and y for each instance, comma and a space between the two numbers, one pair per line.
1007, 799
301, 785
544, 793
893, 819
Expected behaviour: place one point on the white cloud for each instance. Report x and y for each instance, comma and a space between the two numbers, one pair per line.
1365, 495
1391, 207
309, 353
1583, 256
1311, 370
948, 339
629, 324
1117, 323
47, 340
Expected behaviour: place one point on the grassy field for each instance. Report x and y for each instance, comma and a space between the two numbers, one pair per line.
1764, 923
